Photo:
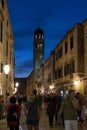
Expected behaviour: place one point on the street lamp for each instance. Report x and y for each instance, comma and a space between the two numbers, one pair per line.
16, 84
6, 69
77, 85
52, 85
51, 88
16, 87
78, 81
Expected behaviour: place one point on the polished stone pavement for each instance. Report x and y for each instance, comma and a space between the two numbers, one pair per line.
44, 125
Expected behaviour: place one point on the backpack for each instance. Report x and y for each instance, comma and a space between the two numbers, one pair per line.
12, 113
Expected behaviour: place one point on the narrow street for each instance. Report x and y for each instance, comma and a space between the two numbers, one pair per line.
43, 124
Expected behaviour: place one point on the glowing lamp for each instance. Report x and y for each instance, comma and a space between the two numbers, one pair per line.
6, 68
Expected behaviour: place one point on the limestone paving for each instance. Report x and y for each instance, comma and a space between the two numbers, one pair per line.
43, 125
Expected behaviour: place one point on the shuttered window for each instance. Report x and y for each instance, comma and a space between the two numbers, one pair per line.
0, 31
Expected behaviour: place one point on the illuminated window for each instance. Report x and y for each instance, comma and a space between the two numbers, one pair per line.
40, 46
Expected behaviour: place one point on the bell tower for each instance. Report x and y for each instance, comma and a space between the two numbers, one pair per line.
38, 51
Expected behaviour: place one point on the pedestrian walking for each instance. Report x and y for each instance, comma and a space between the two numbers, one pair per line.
32, 109
50, 111
13, 114
37, 98
69, 108
80, 99
59, 99
23, 114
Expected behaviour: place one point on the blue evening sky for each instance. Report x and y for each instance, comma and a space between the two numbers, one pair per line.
54, 17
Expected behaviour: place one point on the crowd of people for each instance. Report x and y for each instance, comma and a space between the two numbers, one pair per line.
68, 110
20, 112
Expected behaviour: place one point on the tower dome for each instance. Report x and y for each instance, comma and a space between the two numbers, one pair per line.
38, 30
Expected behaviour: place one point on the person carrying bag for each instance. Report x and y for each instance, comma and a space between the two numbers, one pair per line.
32, 116
13, 114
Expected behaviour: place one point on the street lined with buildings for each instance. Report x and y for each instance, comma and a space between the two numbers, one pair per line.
65, 68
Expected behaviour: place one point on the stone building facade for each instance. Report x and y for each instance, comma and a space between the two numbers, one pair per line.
69, 58
31, 84
40, 80
66, 67
49, 71
70, 62
6, 50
